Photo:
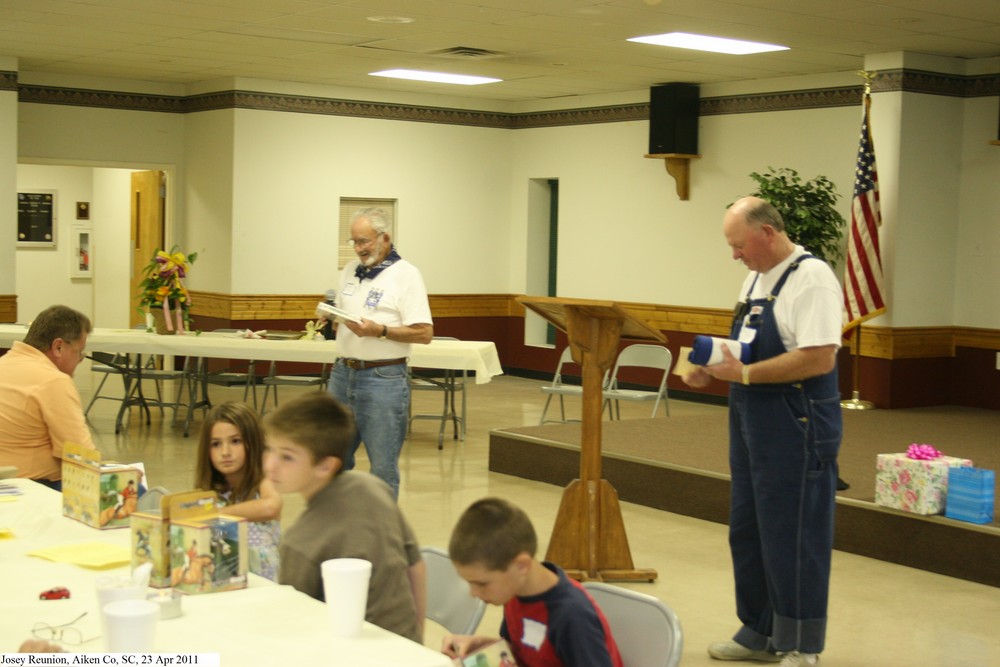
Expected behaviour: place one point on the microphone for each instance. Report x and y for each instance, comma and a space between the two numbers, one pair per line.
330, 299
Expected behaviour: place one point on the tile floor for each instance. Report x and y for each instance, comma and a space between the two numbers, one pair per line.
880, 614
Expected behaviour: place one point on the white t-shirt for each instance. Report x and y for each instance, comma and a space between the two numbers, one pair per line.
808, 308
396, 297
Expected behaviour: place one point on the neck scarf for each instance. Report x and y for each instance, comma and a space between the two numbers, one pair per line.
361, 271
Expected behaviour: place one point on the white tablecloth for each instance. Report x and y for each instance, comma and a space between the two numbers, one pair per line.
264, 624
478, 356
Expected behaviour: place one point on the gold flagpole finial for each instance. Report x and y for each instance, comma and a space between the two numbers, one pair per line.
867, 76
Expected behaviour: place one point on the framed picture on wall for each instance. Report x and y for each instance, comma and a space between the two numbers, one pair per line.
36, 219
81, 255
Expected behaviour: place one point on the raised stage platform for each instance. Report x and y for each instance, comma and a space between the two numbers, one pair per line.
680, 464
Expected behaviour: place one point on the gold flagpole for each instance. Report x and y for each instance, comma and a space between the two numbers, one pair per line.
855, 402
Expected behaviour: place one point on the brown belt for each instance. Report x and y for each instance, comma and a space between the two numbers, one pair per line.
361, 364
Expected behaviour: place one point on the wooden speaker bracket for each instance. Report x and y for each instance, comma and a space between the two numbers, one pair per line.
678, 165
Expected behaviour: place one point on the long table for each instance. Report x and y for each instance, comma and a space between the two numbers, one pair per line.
454, 355
458, 355
264, 624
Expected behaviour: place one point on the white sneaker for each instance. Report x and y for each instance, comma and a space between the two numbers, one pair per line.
731, 650
796, 659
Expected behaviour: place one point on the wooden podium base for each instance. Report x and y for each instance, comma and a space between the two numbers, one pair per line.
589, 540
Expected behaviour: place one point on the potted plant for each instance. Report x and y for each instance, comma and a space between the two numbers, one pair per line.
811, 219
162, 293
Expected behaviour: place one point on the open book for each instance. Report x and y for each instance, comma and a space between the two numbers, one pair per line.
334, 313
494, 654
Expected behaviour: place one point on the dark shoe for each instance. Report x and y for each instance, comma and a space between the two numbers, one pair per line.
842, 485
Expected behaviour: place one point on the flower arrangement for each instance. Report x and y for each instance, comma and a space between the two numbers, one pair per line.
162, 287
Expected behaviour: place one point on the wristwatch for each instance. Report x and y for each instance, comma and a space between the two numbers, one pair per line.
385, 332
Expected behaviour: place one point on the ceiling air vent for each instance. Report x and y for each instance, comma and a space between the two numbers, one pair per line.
466, 53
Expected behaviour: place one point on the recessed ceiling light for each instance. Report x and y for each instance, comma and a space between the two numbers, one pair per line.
391, 19
686, 40
435, 77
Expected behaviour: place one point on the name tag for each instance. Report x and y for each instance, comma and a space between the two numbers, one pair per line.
534, 634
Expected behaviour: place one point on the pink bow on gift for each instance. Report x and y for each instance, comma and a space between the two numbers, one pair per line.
922, 452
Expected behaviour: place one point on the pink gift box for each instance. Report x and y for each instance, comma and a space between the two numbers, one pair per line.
918, 486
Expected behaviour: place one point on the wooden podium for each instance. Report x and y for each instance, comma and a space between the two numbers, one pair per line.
588, 540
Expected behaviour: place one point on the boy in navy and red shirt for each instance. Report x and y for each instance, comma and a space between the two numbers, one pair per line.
549, 620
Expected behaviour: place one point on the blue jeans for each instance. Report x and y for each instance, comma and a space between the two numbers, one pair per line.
55, 485
380, 399
783, 460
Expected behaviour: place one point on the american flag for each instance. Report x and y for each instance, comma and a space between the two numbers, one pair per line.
863, 292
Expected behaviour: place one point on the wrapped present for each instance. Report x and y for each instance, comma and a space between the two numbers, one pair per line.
915, 481
970, 495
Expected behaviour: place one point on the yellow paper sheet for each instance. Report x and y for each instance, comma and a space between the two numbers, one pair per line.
87, 554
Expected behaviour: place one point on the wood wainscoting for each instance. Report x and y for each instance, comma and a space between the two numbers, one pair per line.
898, 366
8, 308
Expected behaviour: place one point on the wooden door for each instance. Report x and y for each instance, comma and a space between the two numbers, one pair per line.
148, 197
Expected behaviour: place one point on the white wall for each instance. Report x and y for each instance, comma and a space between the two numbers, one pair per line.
290, 171
43, 274
625, 235
111, 252
926, 212
977, 251
8, 176
258, 195
209, 224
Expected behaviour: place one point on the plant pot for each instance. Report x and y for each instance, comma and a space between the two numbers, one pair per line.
160, 323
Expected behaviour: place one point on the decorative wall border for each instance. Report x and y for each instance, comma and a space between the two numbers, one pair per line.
104, 99
8, 80
819, 98
876, 342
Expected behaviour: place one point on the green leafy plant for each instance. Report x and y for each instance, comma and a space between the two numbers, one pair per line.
808, 209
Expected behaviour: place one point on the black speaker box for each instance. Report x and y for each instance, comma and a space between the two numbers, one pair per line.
673, 118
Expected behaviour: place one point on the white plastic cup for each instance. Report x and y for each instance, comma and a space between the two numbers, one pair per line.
112, 589
345, 587
131, 626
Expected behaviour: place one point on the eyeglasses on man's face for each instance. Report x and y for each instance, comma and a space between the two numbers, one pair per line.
64, 634
362, 243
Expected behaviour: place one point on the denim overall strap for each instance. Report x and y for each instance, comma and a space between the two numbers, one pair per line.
784, 439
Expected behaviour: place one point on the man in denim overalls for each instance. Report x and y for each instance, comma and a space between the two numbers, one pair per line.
784, 431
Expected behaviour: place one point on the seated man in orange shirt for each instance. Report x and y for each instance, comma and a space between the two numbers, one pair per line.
40, 407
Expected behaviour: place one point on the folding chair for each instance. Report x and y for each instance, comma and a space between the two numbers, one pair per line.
646, 630
560, 388
447, 382
231, 378
639, 356
151, 499
449, 602
152, 369
274, 380
108, 364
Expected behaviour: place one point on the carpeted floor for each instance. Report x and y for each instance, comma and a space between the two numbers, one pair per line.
679, 464
700, 442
